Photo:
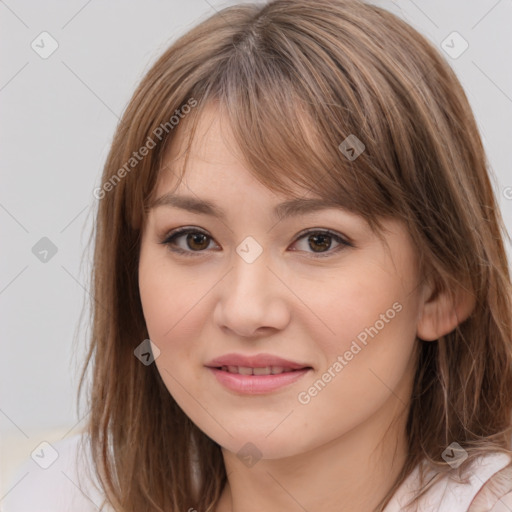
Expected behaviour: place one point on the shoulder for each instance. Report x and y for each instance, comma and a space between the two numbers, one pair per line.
495, 495
487, 481
57, 477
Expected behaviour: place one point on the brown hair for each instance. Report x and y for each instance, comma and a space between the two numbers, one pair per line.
295, 78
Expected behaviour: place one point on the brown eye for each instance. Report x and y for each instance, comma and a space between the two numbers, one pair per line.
320, 242
187, 241
197, 241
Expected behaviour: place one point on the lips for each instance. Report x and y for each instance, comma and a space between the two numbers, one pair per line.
247, 370
261, 364
256, 375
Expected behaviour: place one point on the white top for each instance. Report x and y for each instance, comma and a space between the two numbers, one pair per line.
448, 495
67, 485
56, 478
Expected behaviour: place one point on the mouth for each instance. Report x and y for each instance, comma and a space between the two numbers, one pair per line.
257, 374
256, 364
263, 370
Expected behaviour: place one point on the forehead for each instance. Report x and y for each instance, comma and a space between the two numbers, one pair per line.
206, 157
207, 136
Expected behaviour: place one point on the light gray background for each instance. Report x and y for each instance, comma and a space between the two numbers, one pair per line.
58, 117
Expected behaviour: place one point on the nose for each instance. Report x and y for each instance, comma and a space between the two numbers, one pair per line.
253, 300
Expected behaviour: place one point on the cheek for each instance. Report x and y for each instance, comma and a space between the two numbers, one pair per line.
366, 337
364, 304
174, 305
176, 309
158, 302
168, 296
366, 364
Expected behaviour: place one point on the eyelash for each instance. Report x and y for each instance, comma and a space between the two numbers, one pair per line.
173, 235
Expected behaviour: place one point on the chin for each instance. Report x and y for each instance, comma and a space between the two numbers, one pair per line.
259, 445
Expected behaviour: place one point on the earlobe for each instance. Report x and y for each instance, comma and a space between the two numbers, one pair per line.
442, 311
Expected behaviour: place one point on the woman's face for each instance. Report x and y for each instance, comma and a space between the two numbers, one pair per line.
249, 284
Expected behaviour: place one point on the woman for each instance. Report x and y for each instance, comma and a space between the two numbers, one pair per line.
301, 295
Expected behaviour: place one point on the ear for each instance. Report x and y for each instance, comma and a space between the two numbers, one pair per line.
442, 311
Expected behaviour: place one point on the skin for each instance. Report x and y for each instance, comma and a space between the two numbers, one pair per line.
342, 450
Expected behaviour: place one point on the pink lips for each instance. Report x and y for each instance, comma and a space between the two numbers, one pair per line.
257, 361
285, 372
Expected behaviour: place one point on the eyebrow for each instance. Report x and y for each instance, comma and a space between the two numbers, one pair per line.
290, 208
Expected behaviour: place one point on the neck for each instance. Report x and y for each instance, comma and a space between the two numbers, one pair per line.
352, 473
